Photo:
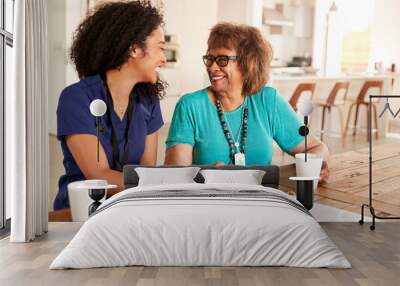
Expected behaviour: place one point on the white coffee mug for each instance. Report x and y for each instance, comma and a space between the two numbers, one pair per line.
311, 168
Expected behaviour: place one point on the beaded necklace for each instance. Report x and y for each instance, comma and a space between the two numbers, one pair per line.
234, 145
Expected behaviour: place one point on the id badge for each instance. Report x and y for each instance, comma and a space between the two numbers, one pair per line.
240, 159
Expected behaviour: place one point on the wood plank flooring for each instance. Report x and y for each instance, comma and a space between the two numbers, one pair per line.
374, 255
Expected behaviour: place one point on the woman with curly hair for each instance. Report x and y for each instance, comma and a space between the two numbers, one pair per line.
116, 51
236, 119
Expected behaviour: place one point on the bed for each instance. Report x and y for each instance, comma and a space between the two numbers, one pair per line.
201, 224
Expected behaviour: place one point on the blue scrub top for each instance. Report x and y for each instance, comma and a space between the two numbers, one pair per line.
74, 117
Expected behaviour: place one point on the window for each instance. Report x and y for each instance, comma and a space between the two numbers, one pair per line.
356, 34
355, 51
6, 60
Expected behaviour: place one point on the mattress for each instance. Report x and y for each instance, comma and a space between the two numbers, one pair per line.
201, 225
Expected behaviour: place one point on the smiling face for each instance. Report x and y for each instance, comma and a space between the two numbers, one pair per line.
147, 61
228, 79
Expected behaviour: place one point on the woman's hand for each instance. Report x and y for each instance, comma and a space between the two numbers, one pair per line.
219, 164
324, 175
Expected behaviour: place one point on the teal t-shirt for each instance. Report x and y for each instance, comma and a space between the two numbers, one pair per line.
270, 117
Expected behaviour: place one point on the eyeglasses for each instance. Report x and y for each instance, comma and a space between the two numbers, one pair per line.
222, 60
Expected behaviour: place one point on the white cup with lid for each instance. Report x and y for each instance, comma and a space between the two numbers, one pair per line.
311, 168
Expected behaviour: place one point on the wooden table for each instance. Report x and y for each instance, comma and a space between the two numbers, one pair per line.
60, 215
347, 187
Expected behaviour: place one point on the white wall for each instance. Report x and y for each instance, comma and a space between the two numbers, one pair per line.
191, 21
385, 42
241, 11
57, 56
320, 25
75, 12
334, 42
232, 11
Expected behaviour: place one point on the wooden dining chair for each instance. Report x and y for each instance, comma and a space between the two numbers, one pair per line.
362, 100
336, 99
300, 89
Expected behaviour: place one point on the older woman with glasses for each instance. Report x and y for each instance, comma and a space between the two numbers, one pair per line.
236, 119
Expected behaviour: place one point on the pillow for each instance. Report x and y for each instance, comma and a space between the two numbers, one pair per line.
248, 177
166, 176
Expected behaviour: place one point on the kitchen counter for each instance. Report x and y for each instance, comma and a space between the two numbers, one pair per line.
286, 84
317, 77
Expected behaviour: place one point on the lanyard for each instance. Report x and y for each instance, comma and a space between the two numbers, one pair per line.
234, 145
118, 165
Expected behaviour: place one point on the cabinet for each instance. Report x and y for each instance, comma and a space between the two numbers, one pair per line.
303, 16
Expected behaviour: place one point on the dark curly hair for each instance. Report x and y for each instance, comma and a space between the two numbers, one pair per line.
104, 39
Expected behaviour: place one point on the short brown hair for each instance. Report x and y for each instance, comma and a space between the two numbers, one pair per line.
253, 51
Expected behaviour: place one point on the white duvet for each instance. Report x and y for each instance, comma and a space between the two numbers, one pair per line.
183, 231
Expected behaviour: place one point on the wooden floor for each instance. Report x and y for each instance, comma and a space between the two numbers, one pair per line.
374, 255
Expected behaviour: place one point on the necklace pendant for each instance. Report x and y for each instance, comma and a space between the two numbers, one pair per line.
120, 110
236, 144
